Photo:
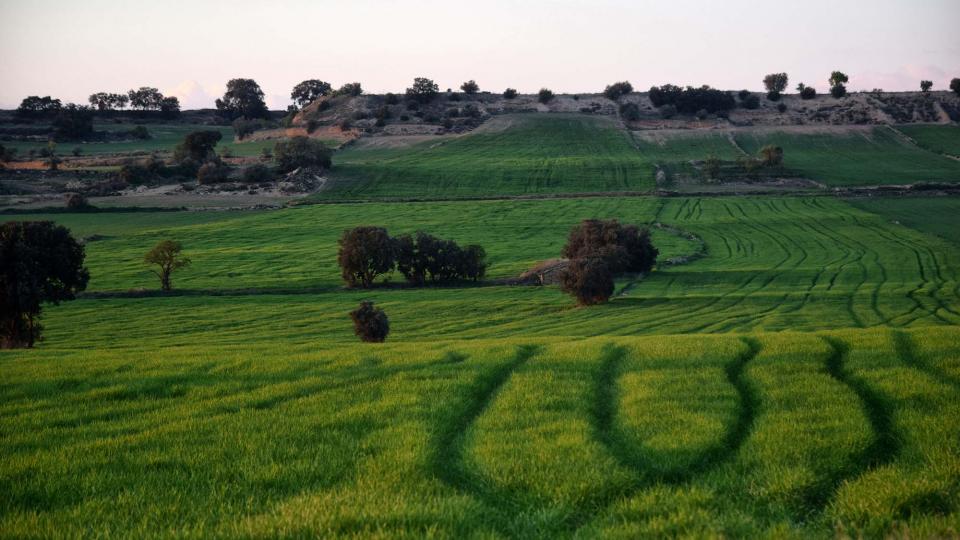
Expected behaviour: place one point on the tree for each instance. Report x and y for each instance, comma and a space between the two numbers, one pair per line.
38, 107
77, 202
510, 93
118, 101
806, 92
40, 263
925, 86
771, 155
955, 86
615, 90
145, 98
470, 87
308, 91
630, 111
167, 256
588, 280
242, 98
101, 101
370, 323
73, 122
776, 82
545, 95
301, 152
170, 107
423, 90
624, 248
198, 146
443, 260
350, 89
838, 80
365, 253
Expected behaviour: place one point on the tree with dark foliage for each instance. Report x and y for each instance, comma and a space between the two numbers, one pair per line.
775, 83
73, 122
350, 89
145, 98
301, 152
689, 100
615, 90
39, 263
771, 155
510, 93
470, 87
838, 80
242, 98
308, 91
442, 260
588, 280
423, 90
198, 146
545, 95
33, 107
166, 255
365, 253
370, 323
955, 86
170, 107
624, 248
925, 86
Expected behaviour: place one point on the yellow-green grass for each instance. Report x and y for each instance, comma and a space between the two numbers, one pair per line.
942, 139
934, 215
772, 435
512, 155
854, 157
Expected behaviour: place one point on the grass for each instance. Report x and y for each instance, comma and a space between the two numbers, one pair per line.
939, 216
939, 139
511, 155
855, 158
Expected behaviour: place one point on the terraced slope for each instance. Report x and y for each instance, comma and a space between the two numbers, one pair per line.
854, 157
509, 155
786, 435
939, 139
939, 216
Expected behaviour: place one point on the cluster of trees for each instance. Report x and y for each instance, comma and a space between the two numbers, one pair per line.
145, 98
691, 100
40, 263
35, 107
600, 250
617, 89
368, 252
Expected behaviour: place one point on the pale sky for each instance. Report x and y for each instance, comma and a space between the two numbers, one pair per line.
70, 49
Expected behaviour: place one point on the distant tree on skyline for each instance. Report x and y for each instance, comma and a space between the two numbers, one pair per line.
308, 91
243, 97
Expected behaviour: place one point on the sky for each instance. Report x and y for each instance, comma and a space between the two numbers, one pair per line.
190, 49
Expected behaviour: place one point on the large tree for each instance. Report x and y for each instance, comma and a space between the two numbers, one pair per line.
301, 152
364, 254
198, 146
37, 107
39, 263
145, 98
589, 280
242, 98
624, 248
838, 81
309, 90
955, 86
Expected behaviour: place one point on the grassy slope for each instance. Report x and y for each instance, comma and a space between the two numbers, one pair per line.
934, 215
535, 154
939, 139
880, 157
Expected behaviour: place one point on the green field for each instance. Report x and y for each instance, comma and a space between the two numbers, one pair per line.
939, 139
797, 377
855, 158
164, 137
510, 155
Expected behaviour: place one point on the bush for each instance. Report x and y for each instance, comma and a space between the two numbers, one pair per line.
266, 154
668, 111
702, 114
370, 323
365, 253
244, 126
76, 151
76, 201
73, 122
624, 248
510, 93
630, 112
545, 95
255, 174
588, 280
955, 86
782, 107
838, 91
140, 132
690, 100
925, 86
423, 90
197, 146
771, 156
350, 89
751, 102
775, 83
615, 90
773, 96
470, 87
212, 172
808, 92
743, 94
301, 152
453, 97
391, 98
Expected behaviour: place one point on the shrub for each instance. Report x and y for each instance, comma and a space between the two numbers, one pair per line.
256, 173
301, 152
545, 95
711, 167
624, 248
668, 111
244, 126
838, 80
266, 154
76, 151
743, 94
404, 117
365, 253
773, 96
391, 98
39, 263
76, 201
212, 172
453, 97
470, 87
955, 86
782, 107
775, 82
370, 323
615, 90
690, 100
771, 156
630, 112
140, 132
838, 91
702, 114
510, 93
350, 89
751, 102
925, 86
808, 92
167, 257
588, 280
73, 122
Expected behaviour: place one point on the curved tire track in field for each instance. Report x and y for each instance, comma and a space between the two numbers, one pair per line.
446, 462
604, 412
907, 351
886, 441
